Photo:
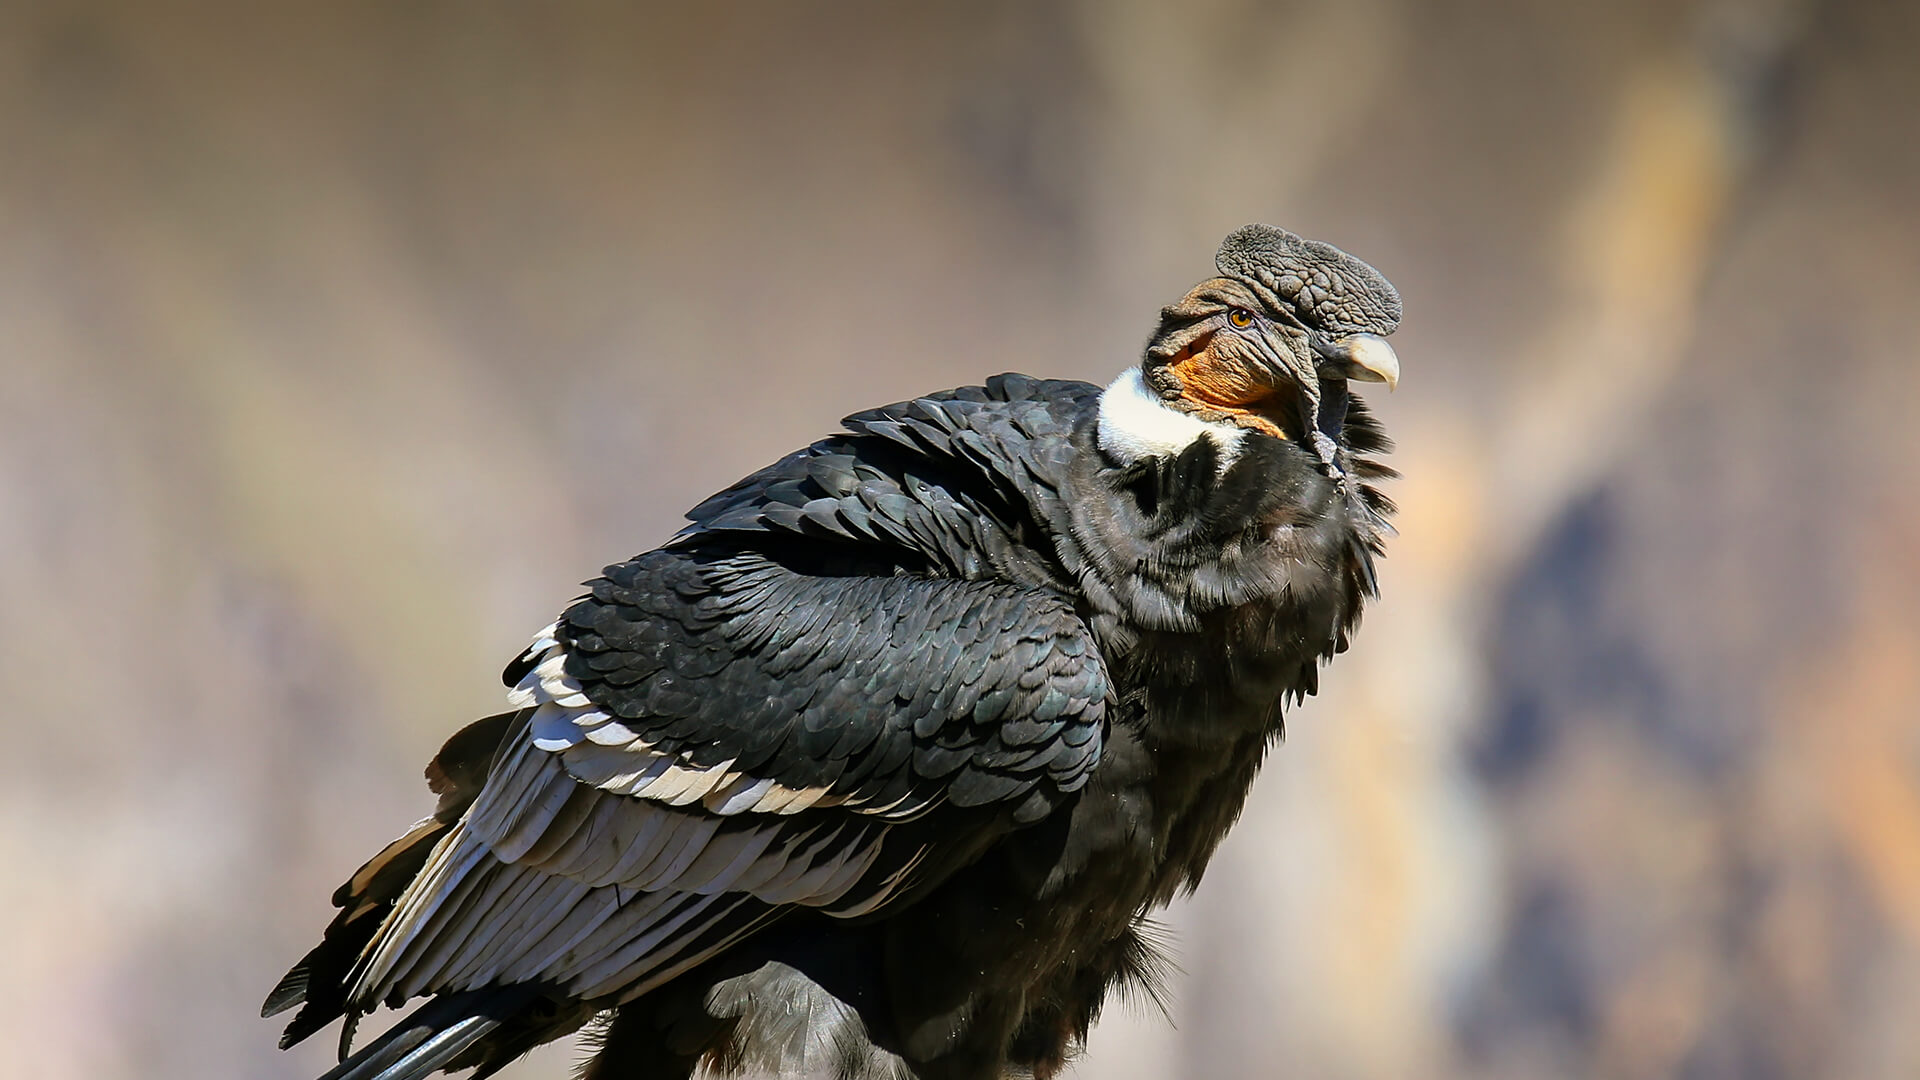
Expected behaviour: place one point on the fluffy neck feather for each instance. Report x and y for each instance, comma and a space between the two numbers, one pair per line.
1136, 424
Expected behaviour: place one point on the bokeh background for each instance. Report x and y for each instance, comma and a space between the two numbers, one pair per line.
339, 342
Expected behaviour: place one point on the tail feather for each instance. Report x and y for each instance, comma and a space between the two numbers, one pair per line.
319, 980
291, 990
436, 1033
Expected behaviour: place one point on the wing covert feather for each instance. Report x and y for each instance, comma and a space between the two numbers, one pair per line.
693, 675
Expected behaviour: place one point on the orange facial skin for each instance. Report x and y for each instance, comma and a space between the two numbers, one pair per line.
1217, 377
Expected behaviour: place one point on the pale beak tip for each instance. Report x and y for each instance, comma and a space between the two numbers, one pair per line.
1371, 354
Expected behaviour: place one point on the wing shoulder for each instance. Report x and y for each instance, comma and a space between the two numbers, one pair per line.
947, 481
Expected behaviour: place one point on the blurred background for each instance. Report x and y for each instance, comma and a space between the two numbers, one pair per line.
339, 343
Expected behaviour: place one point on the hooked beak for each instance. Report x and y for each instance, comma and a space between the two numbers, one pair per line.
1366, 357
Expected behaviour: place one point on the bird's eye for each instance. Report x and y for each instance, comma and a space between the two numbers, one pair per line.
1240, 317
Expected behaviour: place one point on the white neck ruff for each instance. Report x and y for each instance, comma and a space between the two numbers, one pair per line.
1135, 424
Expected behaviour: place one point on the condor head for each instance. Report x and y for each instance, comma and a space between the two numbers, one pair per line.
1269, 345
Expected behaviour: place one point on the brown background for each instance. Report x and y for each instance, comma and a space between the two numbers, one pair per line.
338, 345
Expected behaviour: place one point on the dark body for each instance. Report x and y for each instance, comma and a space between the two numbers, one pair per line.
922, 721
1012, 955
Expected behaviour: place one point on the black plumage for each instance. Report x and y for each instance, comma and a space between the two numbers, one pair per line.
877, 767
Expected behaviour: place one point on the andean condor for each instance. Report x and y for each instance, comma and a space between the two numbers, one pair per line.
877, 767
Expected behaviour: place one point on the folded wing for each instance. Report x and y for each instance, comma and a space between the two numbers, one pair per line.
713, 737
